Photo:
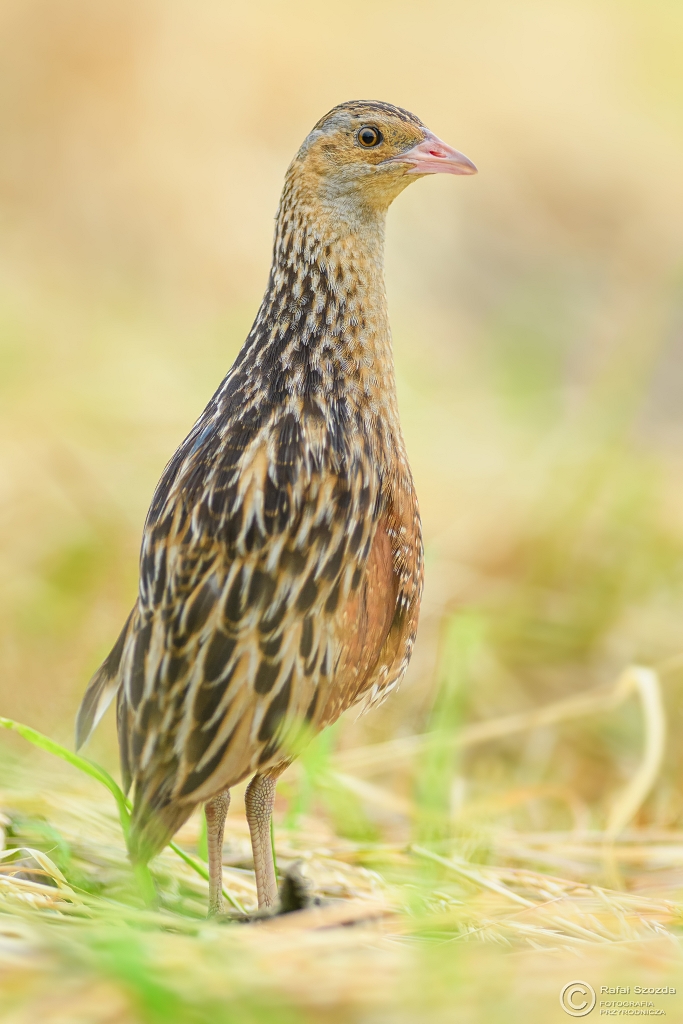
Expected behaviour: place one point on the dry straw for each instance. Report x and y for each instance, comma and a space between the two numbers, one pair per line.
395, 895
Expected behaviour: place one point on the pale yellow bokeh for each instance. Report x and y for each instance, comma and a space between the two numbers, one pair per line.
536, 311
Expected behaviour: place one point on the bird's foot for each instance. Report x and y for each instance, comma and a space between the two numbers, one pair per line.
295, 894
216, 908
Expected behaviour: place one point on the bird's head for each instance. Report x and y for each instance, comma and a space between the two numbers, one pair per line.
362, 154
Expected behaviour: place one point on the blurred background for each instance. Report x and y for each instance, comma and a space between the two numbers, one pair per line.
537, 312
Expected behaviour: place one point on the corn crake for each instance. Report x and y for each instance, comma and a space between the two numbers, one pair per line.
281, 561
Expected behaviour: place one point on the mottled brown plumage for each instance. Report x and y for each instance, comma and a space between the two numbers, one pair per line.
281, 562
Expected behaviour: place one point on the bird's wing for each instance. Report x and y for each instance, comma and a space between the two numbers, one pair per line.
255, 554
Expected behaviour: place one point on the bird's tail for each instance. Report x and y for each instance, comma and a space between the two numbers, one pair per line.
154, 822
101, 689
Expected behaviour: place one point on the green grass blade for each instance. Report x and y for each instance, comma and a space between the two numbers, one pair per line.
204, 872
38, 739
462, 642
95, 771
272, 846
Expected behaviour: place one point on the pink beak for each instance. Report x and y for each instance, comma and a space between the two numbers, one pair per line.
434, 157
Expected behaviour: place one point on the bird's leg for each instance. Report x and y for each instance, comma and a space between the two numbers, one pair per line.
259, 800
216, 811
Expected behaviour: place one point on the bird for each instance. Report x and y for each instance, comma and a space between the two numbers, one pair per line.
281, 563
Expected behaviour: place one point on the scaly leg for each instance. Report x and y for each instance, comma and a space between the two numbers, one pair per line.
259, 800
216, 811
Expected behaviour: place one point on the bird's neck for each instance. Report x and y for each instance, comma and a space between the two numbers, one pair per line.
322, 333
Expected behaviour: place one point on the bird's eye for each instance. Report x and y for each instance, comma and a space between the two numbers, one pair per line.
369, 137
